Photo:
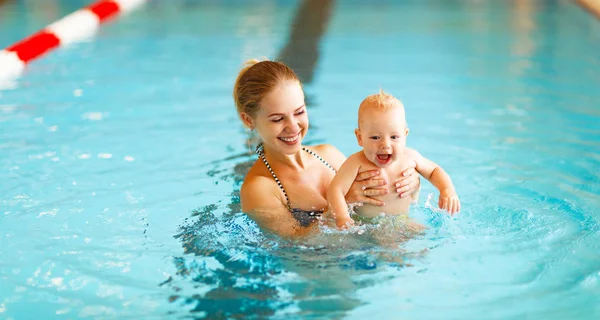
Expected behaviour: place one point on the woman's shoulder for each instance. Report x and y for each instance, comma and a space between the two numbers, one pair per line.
324, 148
259, 189
330, 153
257, 176
254, 185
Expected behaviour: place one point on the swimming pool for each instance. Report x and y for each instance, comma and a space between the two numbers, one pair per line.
120, 159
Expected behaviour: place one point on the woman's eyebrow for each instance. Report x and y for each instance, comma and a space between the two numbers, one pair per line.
281, 114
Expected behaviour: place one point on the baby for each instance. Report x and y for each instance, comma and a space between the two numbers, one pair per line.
382, 134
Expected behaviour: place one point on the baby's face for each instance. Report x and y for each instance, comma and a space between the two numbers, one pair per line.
382, 134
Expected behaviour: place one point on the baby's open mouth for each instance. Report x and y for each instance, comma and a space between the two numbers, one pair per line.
384, 158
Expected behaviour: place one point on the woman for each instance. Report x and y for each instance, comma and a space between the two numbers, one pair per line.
284, 191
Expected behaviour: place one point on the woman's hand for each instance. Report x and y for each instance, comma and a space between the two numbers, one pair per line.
365, 186
409, 184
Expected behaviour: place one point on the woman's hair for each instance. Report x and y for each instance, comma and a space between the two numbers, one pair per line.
256, 80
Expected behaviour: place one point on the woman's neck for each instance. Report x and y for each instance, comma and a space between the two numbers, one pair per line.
294, 161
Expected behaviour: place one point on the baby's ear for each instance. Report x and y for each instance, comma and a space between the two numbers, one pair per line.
406, 134
358, 137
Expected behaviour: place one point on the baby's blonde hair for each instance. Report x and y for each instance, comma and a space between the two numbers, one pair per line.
380, 101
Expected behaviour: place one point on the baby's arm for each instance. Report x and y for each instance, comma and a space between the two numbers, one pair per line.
440, 179
338, 188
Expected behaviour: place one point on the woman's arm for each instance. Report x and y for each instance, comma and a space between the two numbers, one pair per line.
261, 200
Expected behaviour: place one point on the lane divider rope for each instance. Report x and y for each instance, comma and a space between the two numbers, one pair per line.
73, 28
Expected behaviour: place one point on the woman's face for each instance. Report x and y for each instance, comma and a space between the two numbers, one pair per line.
282, 120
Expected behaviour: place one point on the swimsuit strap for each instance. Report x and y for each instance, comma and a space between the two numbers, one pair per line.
261, 154
319, 157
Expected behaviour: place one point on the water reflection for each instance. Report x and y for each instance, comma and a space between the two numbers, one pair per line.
237, 270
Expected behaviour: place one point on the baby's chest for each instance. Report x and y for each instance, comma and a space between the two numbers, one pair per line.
392, 173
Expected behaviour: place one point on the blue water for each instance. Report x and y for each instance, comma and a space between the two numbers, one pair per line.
121, 157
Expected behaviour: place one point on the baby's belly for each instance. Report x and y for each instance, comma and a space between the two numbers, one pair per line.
393, 205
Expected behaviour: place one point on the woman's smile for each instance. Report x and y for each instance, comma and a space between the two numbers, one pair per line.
290, 140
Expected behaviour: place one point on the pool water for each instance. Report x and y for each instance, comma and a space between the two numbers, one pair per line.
121, 159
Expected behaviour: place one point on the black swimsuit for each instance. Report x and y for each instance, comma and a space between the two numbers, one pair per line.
304, 217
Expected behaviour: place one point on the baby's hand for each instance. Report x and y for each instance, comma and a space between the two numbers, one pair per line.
449, 201
344, 222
